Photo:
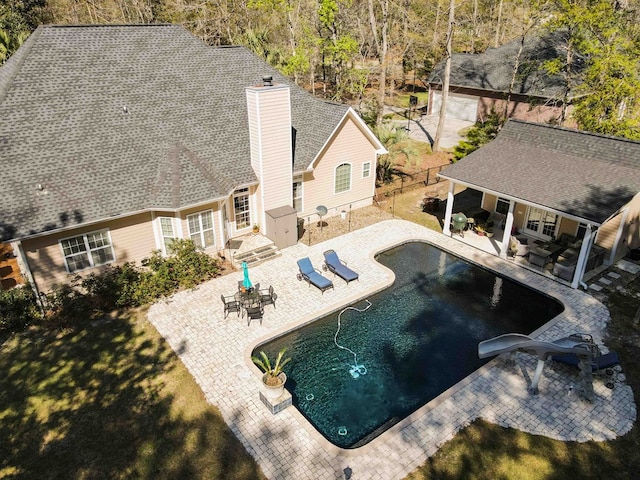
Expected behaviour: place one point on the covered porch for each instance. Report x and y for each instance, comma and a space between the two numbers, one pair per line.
556, 244
566, 201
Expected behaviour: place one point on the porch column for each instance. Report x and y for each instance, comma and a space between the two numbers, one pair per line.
506, 236
446, 228
582, 258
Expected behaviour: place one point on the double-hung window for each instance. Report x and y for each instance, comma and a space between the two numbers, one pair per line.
201, 229
343, 178
366, 169
168, 233
87, 250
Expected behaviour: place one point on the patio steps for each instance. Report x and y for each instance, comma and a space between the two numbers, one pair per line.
256, 256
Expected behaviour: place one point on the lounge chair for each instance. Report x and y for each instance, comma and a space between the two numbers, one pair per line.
338, 267
313, 276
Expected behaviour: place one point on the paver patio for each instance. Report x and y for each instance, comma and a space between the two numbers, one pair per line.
217, 353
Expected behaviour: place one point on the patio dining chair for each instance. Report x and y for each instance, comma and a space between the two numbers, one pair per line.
254, 313
231, 304
268, 296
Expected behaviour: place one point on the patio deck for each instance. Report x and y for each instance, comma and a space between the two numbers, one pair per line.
217, 353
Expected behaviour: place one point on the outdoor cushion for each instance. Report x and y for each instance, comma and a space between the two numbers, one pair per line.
312, 276
601, 362
335, 265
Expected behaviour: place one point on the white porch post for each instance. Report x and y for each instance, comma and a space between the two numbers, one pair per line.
582, 258
446, 228
506, 236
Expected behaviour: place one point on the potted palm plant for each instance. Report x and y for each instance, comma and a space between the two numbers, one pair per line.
273, 378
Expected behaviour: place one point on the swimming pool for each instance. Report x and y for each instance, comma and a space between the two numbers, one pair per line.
354, 374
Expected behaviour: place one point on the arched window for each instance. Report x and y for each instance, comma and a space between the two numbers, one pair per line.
343, 178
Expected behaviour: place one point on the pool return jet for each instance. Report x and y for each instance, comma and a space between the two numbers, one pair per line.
356, 369
581, 345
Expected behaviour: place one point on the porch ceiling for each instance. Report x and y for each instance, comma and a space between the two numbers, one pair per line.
576, 173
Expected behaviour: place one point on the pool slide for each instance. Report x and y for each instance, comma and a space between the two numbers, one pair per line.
580, 345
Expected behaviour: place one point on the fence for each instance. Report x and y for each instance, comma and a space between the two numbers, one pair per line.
407, 181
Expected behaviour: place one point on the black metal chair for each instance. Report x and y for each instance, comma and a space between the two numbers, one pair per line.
268, 296
230, 305
254, 313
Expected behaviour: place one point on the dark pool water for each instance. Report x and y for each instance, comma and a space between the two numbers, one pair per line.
418, 338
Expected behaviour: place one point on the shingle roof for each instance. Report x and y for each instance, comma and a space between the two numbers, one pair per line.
492, 70
579, 173
183, 139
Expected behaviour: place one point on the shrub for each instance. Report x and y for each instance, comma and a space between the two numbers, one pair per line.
116, 287
186, 267
479, 134
18, 309
67, 305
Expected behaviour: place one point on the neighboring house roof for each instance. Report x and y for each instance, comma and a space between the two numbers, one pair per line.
571, 171
183, 139
492, 70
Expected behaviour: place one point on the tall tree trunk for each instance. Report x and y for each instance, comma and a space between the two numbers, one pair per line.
568, 80
496, 41
447, 74
514, 75
381, 38
475, 26
436, 24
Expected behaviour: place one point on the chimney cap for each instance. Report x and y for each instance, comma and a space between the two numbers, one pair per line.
267, 80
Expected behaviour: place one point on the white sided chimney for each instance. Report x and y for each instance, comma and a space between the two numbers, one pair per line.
269, 110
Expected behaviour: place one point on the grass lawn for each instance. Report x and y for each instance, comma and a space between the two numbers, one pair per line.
110, 400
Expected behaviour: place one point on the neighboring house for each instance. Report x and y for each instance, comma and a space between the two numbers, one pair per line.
480, 83
116, 139
548, 181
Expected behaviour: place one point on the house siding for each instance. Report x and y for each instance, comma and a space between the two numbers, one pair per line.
631, 233
349, 145
608, 232
132, 239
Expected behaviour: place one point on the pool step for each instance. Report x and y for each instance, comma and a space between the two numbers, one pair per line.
256, 256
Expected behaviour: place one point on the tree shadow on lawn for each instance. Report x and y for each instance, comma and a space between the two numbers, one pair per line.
94, 403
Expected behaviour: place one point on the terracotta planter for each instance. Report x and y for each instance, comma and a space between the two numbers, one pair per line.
274, 391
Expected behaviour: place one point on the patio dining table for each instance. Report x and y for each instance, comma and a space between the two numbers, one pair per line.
248, 298
544, 252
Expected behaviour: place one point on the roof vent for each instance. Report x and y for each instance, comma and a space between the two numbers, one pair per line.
267, 81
